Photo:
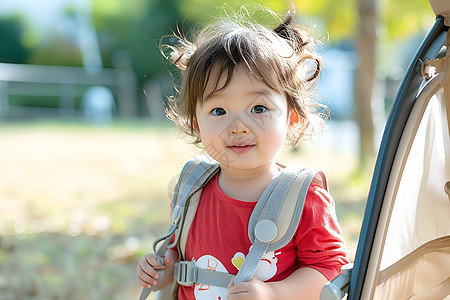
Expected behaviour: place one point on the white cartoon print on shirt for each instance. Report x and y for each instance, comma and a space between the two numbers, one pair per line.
266, 269
208, 292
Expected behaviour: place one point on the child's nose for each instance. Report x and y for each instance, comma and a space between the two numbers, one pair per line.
238, 127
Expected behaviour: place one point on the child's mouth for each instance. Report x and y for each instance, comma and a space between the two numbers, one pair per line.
241, 149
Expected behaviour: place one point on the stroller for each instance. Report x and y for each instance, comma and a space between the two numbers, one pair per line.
404, 245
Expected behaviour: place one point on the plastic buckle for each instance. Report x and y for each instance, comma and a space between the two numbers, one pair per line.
185, 273
338, 287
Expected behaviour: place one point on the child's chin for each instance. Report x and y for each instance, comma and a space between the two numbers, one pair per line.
239, 164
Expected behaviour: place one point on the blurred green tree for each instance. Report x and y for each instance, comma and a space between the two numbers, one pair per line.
374, 27
135, 26
12, 46
57, 50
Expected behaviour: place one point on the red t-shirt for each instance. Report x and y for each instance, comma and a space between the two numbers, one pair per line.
218, 240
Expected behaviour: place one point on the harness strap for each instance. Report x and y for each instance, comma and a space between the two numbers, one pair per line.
205, 172
272, 198
161, 251
185, 273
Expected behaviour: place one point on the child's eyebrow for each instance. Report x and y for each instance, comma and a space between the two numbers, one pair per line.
255, 93
261, 92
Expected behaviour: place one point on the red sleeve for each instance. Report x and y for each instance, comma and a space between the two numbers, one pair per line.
318, 239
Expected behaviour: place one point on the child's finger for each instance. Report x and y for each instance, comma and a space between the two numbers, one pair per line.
151, 259
144, 279
168, 262
240, 288
231, 282
146, 267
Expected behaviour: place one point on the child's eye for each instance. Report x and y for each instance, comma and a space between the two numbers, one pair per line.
218, 111
258, 109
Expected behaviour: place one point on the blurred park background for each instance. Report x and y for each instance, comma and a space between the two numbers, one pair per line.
86, 154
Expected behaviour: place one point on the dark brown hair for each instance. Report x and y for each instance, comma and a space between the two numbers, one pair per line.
284, 58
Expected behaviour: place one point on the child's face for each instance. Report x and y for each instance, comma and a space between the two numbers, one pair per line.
243, 126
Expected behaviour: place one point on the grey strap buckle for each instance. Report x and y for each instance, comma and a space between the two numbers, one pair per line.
184, 273
338, 287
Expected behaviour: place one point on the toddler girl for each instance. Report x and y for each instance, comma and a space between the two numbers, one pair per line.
246, 90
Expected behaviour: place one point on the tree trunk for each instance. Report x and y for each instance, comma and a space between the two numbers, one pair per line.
365, 74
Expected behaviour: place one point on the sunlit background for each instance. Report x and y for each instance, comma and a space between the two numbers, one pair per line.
87, 155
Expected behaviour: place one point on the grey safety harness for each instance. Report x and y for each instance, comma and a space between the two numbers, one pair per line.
271, 226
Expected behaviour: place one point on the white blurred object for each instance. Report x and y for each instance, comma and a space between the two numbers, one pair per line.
98, 105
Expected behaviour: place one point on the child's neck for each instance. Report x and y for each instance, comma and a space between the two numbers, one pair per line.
246, 185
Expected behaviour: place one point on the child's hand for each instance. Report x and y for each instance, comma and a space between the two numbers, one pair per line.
147, 271
253, 289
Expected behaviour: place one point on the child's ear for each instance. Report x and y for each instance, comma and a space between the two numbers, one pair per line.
293, 118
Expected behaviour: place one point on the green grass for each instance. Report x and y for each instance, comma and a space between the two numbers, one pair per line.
79, 205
